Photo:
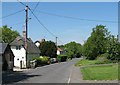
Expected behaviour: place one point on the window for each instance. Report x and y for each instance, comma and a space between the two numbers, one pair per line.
18, 47
18, 59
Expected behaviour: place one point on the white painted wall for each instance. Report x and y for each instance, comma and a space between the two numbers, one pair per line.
37, 44
19, 54
58, 52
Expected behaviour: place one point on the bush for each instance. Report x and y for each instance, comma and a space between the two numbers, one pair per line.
61, 58
102, 59
103, 56
44, 60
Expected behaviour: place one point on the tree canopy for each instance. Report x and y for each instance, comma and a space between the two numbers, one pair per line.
7, 35
100, 42
73, 49
48, 48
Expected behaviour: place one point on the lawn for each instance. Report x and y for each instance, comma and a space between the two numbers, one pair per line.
109, 72
91, 70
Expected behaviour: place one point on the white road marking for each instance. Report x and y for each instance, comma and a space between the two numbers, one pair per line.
70, 76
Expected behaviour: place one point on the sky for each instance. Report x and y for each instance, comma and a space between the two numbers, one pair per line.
66, 29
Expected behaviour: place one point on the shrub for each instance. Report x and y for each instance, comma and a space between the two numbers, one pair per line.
102, 56
44, 60
61, 58
102, 59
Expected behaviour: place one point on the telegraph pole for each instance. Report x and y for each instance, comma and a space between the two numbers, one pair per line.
56, 41
26, 34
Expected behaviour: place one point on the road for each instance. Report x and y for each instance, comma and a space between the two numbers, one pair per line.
54, 73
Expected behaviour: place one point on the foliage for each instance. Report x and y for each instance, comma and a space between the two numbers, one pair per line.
44, 60
109, 72
99, 60
85, 62
48, 48
73, 49
61, 58
103, 59
7, 34
96, 43
113, 49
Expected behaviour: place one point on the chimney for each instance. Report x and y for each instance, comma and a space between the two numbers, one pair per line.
43, 40
24, 34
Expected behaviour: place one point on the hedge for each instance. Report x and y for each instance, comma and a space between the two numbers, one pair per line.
44, 60
61, 58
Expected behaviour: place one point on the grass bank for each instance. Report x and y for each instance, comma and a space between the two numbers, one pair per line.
91, 70
109, 72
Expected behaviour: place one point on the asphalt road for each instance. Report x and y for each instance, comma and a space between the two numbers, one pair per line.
54, 73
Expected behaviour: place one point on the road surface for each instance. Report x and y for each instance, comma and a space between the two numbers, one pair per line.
54, 73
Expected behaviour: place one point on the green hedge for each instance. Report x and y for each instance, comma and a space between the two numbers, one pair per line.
44, 60
61, 58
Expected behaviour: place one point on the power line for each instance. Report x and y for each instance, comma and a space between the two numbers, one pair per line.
38, 19
41, 23
12, 14
21, 3
75, 18
35, 7
60, 41
17, 23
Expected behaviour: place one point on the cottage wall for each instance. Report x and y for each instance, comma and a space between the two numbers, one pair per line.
19, 56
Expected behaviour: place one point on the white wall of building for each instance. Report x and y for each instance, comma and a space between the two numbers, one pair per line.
58, 52
19, 56
37, 44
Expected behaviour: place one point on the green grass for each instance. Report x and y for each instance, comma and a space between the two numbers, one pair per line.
100, 72
86, 62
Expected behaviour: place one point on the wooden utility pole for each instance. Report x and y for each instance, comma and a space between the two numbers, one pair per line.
26, 34
56, 41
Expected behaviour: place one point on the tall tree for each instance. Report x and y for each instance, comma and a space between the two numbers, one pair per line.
7, 35
48, 48
96, 43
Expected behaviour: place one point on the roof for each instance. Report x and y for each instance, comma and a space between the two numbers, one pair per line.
37, 41
3, 46
32, 48
59, 49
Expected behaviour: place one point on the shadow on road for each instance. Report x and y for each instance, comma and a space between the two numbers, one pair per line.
12, 77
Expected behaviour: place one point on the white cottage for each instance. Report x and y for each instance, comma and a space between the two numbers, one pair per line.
19, 51
59, 51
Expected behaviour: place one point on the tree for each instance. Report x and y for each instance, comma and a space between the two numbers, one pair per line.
114, 49
48, 48
73, 49
96, 43
7, 35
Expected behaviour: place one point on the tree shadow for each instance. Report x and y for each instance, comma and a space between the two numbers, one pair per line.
12, 77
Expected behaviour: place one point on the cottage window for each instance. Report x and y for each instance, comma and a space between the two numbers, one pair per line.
18, 47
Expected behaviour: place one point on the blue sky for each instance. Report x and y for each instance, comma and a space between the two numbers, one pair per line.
64, 28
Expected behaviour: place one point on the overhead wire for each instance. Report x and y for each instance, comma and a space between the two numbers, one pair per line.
75, 18
12, 14
41, 23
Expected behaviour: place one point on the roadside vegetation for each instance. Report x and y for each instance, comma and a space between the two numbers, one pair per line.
107, 72
101, 52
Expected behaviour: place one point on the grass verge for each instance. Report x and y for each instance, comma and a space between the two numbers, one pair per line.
86, 62
109, 72
98, 70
